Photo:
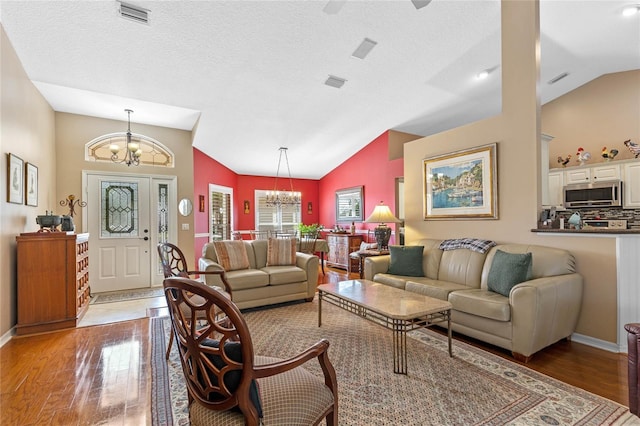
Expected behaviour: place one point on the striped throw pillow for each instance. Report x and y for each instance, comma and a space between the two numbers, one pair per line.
281, 252
231, 255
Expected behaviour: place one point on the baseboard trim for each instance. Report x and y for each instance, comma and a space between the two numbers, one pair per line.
596, 343
7, 336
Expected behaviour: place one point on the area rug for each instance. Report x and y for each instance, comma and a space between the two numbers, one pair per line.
472, 388
121, 296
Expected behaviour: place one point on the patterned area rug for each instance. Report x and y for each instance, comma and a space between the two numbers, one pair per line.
473, 387
120, 296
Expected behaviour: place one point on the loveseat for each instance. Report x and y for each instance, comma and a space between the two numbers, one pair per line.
530, 316
269, 276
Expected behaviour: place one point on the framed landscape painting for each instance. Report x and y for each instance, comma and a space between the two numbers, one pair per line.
461, 184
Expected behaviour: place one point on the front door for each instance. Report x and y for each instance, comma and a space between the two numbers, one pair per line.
119, 227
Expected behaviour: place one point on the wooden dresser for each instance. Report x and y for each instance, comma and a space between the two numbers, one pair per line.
340, 245
53, 280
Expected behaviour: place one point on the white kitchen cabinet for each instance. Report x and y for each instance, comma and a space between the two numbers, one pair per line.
592, 174
555, 190
631, 185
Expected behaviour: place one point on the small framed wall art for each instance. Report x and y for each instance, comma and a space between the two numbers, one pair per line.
15, 179
31, 185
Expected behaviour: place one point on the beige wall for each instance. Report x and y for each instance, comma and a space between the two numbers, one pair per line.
26, 130
517, 132
603, 112
74, 131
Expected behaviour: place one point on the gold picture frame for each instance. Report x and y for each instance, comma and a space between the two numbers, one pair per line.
461, 184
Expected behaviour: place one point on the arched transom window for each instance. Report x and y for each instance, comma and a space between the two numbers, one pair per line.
153, 152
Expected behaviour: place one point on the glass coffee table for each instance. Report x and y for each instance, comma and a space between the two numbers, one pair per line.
393, 308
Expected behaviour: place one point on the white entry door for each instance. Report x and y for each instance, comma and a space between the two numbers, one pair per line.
119, 227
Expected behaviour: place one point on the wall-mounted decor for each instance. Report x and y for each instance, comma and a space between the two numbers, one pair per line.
201, 203
15, 179
309, 207
31, 185
461, 184
349, 204
247, 207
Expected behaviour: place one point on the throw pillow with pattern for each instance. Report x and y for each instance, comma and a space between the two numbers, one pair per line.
231, 255
281, 252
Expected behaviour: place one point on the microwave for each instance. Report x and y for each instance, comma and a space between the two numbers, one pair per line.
596, 194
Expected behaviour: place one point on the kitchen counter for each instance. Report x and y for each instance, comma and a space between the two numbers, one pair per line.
588, 230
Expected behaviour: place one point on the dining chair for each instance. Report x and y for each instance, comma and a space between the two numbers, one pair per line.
226, 383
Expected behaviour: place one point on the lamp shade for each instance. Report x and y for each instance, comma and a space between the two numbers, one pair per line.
382, 214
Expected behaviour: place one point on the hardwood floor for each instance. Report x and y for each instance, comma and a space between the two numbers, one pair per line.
100, 374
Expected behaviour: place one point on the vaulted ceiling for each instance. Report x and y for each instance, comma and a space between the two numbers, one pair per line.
249, 76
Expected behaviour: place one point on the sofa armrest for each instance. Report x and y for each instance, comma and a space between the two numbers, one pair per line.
544, 311
376, 265
205, 264
309, 262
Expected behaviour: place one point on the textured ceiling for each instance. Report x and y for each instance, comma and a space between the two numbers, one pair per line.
248, 76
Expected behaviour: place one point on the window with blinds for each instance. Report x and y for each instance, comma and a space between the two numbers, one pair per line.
276, 217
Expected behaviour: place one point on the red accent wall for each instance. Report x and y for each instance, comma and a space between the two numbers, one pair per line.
369, 167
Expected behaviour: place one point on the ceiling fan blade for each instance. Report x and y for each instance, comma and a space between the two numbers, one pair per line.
419, 4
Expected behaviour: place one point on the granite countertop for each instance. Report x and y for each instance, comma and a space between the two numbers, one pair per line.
588, 230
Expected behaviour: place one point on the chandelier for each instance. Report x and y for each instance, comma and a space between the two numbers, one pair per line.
132, 150
278, 198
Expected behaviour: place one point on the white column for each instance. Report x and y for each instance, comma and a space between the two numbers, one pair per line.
628, 266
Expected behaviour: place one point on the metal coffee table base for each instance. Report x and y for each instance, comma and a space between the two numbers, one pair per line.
400, 327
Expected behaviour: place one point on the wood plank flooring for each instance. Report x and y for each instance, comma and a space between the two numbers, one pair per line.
100, 374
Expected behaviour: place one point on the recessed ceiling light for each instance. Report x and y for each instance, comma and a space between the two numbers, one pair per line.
631, 10
334, 81
364, 48
419, 4
482, 75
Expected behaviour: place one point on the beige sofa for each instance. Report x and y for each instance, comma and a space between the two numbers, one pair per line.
260, 284
537, 313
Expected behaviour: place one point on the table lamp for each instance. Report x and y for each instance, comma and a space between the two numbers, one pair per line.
382, 215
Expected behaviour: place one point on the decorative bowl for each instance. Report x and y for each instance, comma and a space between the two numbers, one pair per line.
47, 221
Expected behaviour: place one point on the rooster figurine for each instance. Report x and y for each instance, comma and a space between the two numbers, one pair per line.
583, 156
633, 147
609, 155
564, 161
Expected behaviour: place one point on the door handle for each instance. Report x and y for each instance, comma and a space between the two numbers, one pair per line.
145, 238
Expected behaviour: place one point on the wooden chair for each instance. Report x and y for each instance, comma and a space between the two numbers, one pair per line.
633, 348
174, 264
226, 384
308, 242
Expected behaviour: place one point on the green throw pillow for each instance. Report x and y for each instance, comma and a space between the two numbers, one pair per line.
507, 270
406, 260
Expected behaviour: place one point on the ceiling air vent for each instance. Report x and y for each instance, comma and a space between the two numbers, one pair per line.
558, 78
334, 81
134, 13
364, 48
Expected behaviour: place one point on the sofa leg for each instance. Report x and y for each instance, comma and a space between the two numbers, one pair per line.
520, 357
309, 299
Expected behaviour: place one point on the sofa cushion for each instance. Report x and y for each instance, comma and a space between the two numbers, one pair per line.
482, 303
433, 288
507, 270
231, 255
244, 279
285, 274
281, 252
406, 260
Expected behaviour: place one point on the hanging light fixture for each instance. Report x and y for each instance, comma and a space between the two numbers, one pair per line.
132, 149
278, 198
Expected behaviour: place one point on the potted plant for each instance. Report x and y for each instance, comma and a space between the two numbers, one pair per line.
311, 230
